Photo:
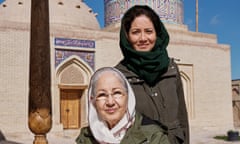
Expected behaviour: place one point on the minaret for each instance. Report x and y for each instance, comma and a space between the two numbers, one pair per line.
169, 11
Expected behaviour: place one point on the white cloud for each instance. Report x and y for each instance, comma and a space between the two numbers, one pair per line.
190, 23
215, 20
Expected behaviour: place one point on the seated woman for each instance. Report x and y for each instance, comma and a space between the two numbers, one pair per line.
112, 116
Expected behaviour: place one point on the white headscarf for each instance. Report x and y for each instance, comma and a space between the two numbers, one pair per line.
98, 127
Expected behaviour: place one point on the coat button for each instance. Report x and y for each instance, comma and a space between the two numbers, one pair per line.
154, 94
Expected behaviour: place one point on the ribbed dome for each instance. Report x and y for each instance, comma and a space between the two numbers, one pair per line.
62, 12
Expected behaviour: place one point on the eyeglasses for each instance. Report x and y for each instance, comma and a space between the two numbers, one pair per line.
103, 96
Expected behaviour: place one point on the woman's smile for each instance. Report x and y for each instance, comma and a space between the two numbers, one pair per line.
111, 110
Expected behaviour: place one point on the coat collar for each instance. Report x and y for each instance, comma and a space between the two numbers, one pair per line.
134, 78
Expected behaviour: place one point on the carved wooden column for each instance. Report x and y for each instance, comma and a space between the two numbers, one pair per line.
40, 115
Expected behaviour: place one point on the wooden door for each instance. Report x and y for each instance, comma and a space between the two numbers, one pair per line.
70, 108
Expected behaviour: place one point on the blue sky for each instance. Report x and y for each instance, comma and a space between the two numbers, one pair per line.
220, 17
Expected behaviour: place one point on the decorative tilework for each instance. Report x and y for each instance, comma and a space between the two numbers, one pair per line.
61, 55
74, 42
170, 11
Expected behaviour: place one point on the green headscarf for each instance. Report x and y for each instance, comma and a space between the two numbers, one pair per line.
147, 65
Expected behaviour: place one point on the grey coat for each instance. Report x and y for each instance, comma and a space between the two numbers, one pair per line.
163, 102
143, 131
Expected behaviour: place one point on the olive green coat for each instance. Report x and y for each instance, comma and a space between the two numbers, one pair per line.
143, 131
163, 102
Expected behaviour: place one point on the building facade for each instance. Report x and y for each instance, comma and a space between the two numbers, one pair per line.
79, 46
236, 102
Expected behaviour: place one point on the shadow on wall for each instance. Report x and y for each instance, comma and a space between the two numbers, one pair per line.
3, 140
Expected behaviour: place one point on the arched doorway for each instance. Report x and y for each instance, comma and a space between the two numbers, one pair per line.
186, 72
73, 76
187, 88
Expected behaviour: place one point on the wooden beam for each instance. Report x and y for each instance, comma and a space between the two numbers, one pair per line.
65, 86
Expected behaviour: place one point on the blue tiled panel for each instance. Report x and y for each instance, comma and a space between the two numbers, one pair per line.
74, 43
62, 54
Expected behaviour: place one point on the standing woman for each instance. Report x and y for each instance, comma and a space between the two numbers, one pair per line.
154, 77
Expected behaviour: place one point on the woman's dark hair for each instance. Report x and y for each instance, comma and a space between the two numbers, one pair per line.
139, 10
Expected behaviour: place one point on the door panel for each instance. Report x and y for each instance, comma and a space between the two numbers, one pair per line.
70, 108
63, 108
